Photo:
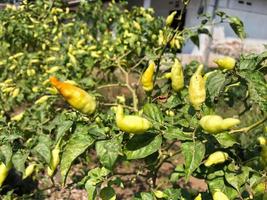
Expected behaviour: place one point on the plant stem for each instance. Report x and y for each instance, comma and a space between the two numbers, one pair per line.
160, 163
165, 47
247, 129
127, 84
111, 85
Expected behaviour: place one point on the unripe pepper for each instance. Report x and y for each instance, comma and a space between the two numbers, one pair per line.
131, 123
197, 90
4, 169
54, 161
147, 77
228, 123
225, 63
263, 153
216, 158
219, 195
29, 170
76, 97
215, 123
198, 197
177, 76
170, 18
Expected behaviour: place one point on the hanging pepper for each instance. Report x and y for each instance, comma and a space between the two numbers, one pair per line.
216, 158
54, 161
177, 76
76, 97
147, 77
197, 90
131, 123
216, 124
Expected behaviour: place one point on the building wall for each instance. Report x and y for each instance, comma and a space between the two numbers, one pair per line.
252, 12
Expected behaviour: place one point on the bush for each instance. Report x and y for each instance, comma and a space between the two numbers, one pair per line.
104, 48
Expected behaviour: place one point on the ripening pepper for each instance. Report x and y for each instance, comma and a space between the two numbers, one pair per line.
54, 161
177, 76
76, 97
170, 18
131, 123
4, 169
216, 124
225, 63
219, 195
197, 90
147, 77
216, 158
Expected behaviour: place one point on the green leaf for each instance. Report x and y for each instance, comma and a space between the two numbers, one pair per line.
215, 83
193, 153
252, 61
226, 139
6, 151
19, 159
237, 26
43, 148
91, 190
257, 87
232, 179
195, 39
203, 30
219, 183
147, 196
97, 175
76, 145
176, 133
62, 128
219, 173
239, 178
108, 193
97, 132
172, 193
153, 112
141, 146
108, 151
172, 102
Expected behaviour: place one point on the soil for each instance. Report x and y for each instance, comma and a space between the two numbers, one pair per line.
131, 173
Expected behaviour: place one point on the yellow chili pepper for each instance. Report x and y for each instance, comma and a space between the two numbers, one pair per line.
219, 195
76, 97
197, 90
131, 123
4, 169
170, 18
225, 63
216, 158
263, 153
198, 197
216, 124
147, 77
54, 161
29, 170
177, 76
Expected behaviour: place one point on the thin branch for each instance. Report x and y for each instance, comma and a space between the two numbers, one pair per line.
114, 104
165, 47
139, 62
111, 85
247, 129
127, 84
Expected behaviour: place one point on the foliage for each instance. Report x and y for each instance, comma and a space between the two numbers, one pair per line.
102, 46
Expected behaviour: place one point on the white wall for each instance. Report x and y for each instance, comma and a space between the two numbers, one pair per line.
252, 12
